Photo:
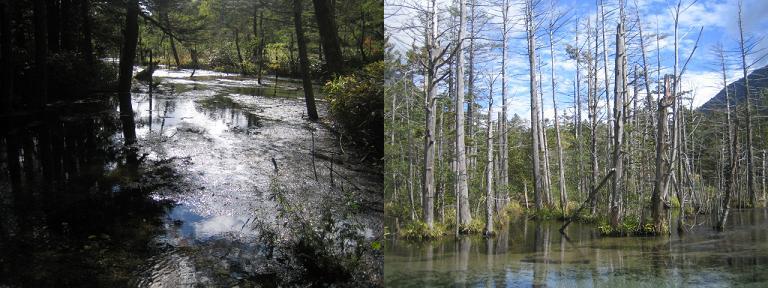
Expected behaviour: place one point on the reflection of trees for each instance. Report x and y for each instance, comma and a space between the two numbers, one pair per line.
57, 188
464, 244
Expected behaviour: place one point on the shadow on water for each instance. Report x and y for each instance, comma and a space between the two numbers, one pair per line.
535, 254
68, 205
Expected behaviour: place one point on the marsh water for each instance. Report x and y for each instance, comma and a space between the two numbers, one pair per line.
226, 165
535, 254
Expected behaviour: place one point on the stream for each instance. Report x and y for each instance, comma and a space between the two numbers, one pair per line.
230, 169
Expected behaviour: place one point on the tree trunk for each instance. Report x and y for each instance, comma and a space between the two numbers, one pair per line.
750, 150
620, 88
561, 167
489, 175
465, 216
534, 105
240, 55
304, 62
326, 23
732, 163
657, 207
503, 184
130, 38
430, 106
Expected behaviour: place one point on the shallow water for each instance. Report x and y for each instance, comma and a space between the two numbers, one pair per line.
535, 254
215, 147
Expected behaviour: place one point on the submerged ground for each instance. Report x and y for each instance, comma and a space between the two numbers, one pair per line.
229, 192
528, 253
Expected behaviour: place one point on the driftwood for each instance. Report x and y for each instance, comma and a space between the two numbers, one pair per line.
586, 202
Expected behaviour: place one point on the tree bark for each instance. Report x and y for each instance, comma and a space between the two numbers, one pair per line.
660, 181
303, 61
534, 104
430, 106
561, 166
489, 175
326, 23
620, 88
465, 216
750, 150
128, 53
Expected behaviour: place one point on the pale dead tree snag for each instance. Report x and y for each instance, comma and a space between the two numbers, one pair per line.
554, 23
431, 66
592, 107
472, 147
530, 31
606, 80
504, 148
620, 89
731, 164
660, 225
489, 169
743, 51
465, 216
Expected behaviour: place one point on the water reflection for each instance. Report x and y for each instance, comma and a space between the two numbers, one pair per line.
64, 201
536, 255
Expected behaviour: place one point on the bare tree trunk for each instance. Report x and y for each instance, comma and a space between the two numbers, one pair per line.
489, 174
465, 216
430, 106
561, 167
309, 98
660, 182
750, 150
620, 88
472, 146
503, 184
592, 106
534, 104
579, 133
732, 163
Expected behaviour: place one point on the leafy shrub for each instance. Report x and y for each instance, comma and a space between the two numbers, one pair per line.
476, 226
419, 230
357, 103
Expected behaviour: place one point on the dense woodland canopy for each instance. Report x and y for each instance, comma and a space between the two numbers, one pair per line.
63, 50
627, 148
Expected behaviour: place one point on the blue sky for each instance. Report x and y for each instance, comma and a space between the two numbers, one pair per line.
717, 17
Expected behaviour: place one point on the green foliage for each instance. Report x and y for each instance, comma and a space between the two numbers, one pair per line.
356, 102
629, 226
674, 202
419, 231
476, 226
